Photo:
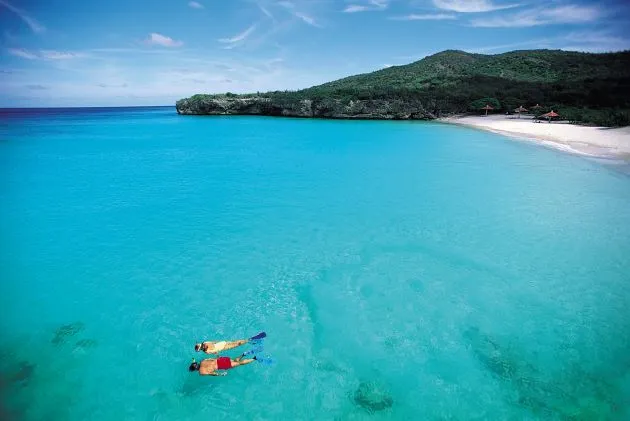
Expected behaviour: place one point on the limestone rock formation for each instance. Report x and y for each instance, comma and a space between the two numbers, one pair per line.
306, 108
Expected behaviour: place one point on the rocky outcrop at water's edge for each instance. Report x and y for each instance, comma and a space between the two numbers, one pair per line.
378, 109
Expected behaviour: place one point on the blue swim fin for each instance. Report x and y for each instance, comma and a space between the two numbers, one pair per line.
263, 359
261, 335
255, 350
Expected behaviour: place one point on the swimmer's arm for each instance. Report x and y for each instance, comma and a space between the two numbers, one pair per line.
216, 374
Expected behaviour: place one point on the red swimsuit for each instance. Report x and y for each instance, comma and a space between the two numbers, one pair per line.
224, 363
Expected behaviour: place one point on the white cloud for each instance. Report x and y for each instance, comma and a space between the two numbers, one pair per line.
32, 23
44, 54
106, 85
286, 4
162, 40
239, 37
265, 11
354, 8
595, 42
432, 16
306, 18
58, 55
195, 5
20, 52
129, 51
598, 37
471, 6
588, 41
293, 9
371, 5
36, 87
571, 13
542, 16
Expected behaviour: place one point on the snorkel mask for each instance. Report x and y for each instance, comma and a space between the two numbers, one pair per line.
194, 366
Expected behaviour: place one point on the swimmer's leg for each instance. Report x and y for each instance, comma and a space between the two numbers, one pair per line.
234, 344
241, 361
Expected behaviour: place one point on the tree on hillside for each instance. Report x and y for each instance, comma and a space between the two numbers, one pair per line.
480, 103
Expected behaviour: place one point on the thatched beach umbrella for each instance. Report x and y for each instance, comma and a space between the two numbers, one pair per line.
487, 108
520, 110
550, 115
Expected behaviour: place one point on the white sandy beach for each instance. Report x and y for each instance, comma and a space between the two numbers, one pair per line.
601, 142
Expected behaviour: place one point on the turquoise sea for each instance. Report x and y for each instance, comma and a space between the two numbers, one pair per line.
402, 270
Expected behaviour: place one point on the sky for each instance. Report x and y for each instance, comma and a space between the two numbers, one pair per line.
153, 52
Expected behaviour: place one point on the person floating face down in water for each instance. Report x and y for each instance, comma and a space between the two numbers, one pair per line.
210, 366
211, 347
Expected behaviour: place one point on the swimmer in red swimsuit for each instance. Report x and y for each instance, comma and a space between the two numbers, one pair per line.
209, 366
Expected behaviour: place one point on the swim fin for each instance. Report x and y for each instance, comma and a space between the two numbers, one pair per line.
263, 359
261, 335
255, 350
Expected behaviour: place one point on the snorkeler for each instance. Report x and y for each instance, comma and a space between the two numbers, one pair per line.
209, 366
211, 347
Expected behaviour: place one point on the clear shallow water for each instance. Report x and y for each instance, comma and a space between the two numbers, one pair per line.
462, 274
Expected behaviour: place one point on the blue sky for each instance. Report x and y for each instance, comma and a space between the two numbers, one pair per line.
152, 52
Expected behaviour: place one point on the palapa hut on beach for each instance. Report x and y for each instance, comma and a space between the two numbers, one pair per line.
550, 115
520, 110
488, 107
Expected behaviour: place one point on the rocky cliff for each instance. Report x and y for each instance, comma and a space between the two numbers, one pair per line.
319, 108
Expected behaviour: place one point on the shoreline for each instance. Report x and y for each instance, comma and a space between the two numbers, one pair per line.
594, 142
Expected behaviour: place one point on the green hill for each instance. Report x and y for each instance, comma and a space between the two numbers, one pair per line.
584, 87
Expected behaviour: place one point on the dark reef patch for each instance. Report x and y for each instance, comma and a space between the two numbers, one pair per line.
64, 332
23, 373
83, 344
372, 397
573, 393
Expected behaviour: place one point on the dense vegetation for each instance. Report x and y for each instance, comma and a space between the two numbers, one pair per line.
582, 87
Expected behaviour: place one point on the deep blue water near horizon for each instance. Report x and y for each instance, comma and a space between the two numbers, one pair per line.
402, 270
